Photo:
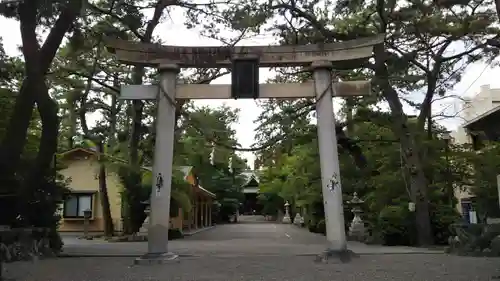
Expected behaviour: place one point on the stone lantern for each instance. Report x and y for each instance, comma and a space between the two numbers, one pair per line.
411, 207
357, 229
87, 215
286, 218
298, 220
145, 225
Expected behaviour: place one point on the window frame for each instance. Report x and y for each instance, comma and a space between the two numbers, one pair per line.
78, 195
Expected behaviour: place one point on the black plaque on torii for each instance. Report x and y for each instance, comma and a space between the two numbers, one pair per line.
245, 78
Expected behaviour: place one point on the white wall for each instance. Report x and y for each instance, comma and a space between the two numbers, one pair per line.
485, 100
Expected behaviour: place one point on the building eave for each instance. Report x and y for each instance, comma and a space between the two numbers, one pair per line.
186, 170
207, 192
475, 123
75, 150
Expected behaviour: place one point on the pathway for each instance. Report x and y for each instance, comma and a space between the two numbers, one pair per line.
248, 251
252, 236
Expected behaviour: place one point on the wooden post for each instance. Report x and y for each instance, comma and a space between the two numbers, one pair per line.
206, 213
195, 214
202, 223
191, 217
210, 214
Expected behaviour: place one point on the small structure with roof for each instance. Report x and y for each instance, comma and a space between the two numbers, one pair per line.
81, 167
250, 191
201, 201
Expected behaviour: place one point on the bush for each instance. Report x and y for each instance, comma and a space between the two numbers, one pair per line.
475, 239
25, 243
312, 226
442, 218
394, 225
55, 241
175, 234
321, 227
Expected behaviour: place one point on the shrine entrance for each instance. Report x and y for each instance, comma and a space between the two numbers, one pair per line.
250, 188
244, 62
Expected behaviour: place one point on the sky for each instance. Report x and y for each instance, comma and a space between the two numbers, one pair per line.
475, 75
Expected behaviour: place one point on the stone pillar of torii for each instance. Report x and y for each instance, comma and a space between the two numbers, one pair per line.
244, 63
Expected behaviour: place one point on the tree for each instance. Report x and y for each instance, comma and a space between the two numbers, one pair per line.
417, 58
95, 76
194, 148
484, 166
38, 59
296, 177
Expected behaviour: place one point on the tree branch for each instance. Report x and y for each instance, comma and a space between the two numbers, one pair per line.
117, 18
87, 76
312, 20
27, 16
57, 33
457, 56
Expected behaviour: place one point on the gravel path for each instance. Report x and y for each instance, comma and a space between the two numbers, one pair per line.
404, 267
232, 239
252, 251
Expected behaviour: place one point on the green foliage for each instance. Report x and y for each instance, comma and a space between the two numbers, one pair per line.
134, 197
443, 216
295, 177
175, 234
394, 224
21, 205
485, 166
475, 239
194, 148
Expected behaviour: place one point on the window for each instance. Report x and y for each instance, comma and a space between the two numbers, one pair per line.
76, 204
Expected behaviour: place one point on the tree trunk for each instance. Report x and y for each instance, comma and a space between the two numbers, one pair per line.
115, 108
349, 116
414, 165
17, 131
133, 212
136, 110
72, 125
37, 62
103, 192
411, 151
41, 168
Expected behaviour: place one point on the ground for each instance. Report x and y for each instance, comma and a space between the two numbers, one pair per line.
252, 250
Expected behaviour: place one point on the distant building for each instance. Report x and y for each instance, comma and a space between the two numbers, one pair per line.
481, 116
251, 192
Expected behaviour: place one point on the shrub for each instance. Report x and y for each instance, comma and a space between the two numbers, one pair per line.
442, 217
394, 225
175, 234
321, 227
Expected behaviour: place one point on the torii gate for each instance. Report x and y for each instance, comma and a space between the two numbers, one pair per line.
245, 62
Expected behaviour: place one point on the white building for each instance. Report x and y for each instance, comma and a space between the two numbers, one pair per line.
484, 105
479, 114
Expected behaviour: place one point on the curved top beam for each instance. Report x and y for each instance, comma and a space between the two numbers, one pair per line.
347, 54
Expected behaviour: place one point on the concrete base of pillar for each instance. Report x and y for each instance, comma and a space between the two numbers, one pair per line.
151, 259
287, 219
144, 227
335, 256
